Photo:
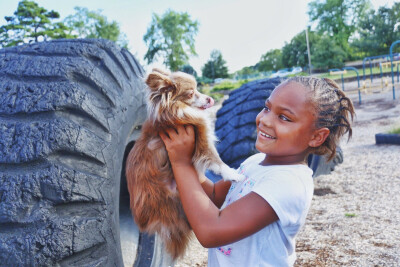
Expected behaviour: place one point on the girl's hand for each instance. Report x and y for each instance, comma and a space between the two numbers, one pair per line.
179, 143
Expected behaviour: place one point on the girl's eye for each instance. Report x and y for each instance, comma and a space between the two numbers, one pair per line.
266, 108
284, 118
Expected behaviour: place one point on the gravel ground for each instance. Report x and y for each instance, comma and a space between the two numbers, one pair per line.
355, 216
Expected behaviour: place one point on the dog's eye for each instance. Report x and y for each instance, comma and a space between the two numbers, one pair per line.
191, 93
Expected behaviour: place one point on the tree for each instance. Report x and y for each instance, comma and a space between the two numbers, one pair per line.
272, 60
327, 54
92, 24
378, 30
338, 18
215, 67
295, 52
189, 70
171, 36
31, 23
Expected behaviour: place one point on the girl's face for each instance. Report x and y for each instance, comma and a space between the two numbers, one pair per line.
286, 125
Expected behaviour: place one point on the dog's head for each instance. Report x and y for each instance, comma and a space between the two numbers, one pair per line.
171, 92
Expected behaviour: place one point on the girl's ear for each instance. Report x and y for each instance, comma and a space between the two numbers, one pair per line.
319, 136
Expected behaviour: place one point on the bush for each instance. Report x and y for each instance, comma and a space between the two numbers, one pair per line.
228, 85
205, 89
395, 131
203, 80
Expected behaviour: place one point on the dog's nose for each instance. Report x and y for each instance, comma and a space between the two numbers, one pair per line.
210, 101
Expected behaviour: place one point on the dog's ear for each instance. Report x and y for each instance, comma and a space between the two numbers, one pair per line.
162, 71
157, 80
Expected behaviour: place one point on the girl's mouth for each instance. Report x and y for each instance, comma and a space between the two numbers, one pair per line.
266, 135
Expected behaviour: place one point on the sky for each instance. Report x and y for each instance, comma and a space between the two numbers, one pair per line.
243, 30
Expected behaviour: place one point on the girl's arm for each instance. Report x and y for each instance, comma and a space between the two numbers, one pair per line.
211, 226
216, 191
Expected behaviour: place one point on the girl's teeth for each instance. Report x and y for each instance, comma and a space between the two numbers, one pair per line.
266, 135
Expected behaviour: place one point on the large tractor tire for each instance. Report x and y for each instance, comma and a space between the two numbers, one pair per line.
236, 129
70, 110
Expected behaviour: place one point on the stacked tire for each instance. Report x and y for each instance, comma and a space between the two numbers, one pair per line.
69, 110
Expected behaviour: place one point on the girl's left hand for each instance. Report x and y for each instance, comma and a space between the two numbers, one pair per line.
180, 143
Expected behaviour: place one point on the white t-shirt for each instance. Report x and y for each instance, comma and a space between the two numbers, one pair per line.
289, 190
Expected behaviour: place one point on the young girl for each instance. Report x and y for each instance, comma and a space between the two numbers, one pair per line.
254, 222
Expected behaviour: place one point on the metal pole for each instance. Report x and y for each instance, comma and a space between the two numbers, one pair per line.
364, 69
370, 69
308, 52
391, 65
358, 81
342, 83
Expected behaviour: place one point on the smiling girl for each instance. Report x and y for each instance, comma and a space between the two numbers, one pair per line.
254, 222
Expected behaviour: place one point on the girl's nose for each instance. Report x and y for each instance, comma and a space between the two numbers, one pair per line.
264, 118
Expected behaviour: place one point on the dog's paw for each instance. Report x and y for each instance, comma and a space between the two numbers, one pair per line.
232, 175
237, 177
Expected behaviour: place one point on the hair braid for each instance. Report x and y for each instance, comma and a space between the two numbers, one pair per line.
333, 111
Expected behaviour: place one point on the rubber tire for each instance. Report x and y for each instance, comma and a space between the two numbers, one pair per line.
68, 109
236, 129
385, 138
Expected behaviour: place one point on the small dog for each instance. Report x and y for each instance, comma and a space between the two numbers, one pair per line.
154, 199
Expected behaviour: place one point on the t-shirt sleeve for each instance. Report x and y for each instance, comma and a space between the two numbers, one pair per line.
286, 194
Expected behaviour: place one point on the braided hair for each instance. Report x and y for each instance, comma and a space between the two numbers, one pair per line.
333, 111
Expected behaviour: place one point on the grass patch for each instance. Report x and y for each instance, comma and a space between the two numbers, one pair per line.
395, 131
228, 85
299, 74
217, 96
352, 73
206, 89
350, 215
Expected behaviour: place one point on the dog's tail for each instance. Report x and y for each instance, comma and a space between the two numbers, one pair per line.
169, 222
176, 234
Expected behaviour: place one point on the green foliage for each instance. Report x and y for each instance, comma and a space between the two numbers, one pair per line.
327, 54
171, 36
228, 85
189, 70
225, 85
206, 89
92, 24
247, 71
395, 131
215, 66
204, 80
378, 30
295, 52
32, 23
272, 60
338, 18
350, 215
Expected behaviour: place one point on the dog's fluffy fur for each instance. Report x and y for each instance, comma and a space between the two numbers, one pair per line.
154, 199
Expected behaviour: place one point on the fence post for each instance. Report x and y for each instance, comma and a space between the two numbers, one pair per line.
391, 66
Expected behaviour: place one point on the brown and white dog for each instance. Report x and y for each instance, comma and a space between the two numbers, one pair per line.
154, 199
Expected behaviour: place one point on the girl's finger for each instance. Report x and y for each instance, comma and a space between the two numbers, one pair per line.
189, 130
178, 129
172, 133
163, 136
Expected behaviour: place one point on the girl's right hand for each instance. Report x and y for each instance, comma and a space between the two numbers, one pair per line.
180, 143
